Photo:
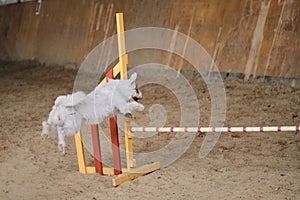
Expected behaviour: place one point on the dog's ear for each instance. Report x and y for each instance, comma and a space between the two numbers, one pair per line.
132, 78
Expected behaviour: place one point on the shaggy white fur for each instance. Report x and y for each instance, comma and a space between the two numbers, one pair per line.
70, 111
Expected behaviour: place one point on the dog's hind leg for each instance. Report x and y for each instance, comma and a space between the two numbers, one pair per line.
61, 140
45, 130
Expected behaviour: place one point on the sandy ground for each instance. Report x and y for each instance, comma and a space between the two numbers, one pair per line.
241, 166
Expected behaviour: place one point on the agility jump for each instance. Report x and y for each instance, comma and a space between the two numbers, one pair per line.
130, 172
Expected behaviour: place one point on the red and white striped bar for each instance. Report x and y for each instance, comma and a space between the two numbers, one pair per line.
215, 129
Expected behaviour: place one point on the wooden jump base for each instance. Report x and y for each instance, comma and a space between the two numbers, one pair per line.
216, 129
119, 69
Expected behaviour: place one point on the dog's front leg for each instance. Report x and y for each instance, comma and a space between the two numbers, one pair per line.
127, 108
124, 109
135, 106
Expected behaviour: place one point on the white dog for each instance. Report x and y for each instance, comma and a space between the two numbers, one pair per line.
70, 111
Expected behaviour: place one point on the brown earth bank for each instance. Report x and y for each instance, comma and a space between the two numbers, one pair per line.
240, 166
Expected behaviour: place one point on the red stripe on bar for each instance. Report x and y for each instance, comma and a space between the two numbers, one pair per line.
297, 128
185, 129
229, 129
171, 129
157, 129
279, 128
244, 129
214, 129
143, 129
199, 129
261, 129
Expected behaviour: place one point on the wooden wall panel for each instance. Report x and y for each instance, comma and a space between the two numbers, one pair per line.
66, 31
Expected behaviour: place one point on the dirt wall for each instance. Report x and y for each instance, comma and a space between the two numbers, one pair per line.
253, 37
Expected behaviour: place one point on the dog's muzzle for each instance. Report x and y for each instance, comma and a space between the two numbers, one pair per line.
137, 95
136, 98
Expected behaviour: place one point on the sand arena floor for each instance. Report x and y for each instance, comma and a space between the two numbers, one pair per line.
241, 166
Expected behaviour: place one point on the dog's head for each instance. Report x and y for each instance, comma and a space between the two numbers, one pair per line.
136, 93
126, 88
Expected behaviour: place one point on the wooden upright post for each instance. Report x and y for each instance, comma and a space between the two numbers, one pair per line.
128, 145
114, 135
97, 149
80, 153
123, 57
115, 145
123, 60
